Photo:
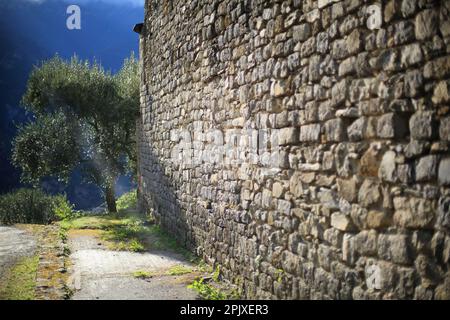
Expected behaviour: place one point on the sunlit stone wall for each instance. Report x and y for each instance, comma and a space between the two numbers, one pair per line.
303, 146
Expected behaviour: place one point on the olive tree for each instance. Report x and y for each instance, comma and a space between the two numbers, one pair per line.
84, 117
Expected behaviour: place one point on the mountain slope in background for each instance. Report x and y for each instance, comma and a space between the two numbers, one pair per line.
31, 32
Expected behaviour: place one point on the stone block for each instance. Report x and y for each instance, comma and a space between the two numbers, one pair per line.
394, 248
334, 130
441, 93
426, 24
287, 136
387, 171
295, 185
444, 172
426, 168
341, 222
413, 212
366, 242
301, 32
347, 188
277, 190
422, 125
310, 133
279, 88
392, 125
377, 219
369, 193
356, 130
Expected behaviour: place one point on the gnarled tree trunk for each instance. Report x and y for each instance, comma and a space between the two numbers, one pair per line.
110, 197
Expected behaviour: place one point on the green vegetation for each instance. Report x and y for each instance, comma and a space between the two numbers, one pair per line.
96, 222
62, 208
279, 274
216, 274
33, 206
202, 266
20, 281
207, 291
178, 270
128, 232
127, 200
84, 118
215, 289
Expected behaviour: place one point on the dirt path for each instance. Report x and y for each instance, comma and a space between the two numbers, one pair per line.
14, 245
100, 273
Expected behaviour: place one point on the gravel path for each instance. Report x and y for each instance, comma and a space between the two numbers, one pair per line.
99, 273
14, 245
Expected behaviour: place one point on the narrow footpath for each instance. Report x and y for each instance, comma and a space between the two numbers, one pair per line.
100, 273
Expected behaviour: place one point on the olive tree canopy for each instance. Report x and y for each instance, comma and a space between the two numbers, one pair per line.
84, 117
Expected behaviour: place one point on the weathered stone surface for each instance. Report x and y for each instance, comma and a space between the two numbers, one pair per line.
277, 190
413, 212
411, 55
426, 24
408, 7
413, 83
370, 161
295, 185
347, 188
349, 253
444, 172
426, 168
366, 242
334, 130
378, 219
339, 93
422, 125
369, 193
279, 88
394, 248
299, 149
387, 170
301, 32
341, 221
443, 218
357, 129
441, 93
287, 136
391, 126
310, 133
437, 69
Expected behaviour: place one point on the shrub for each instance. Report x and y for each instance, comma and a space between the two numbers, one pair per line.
127, 200
32, 206
62, 208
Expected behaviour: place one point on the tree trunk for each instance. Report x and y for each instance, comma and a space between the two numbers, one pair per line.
110, 197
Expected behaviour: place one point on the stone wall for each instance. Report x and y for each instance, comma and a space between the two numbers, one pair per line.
302, 145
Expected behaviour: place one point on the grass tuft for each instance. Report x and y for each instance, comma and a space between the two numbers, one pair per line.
207, 291
128, 231
20, 281
179, 270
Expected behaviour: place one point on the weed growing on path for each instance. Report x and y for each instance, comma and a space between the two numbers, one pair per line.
179, 270
207, 291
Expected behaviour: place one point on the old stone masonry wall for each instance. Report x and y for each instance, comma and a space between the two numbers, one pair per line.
302, 145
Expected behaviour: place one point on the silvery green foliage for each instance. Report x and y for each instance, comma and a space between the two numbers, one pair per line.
84, 117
